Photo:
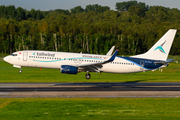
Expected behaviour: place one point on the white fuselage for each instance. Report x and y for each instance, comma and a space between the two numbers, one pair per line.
54, 60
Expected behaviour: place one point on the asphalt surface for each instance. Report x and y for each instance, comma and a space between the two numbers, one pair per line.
72, 90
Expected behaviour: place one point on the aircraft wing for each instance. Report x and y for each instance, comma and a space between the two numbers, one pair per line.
164, 62
93, 67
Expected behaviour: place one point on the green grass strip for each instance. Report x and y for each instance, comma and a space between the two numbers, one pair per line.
89, 108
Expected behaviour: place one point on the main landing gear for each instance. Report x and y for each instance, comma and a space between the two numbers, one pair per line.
88, 76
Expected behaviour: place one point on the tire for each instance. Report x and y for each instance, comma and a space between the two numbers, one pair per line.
88, 76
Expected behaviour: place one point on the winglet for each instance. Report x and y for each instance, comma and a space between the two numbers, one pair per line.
110, 51
113, 56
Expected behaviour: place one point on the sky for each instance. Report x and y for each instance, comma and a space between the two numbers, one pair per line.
68, 4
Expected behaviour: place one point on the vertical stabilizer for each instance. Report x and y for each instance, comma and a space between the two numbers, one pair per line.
161, 49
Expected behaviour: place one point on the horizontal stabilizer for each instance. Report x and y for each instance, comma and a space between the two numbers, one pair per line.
164, 62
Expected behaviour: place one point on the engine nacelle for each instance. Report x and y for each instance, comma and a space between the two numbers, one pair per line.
66, 69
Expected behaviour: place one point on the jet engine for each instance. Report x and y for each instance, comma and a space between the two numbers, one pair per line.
66, 69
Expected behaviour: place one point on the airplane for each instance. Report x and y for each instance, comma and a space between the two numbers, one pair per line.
72, 63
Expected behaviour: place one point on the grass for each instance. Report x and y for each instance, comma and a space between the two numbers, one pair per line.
89, 108
9, 74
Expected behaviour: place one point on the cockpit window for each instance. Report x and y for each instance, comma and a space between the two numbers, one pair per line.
14, 54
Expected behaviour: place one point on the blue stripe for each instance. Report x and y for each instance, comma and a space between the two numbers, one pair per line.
68, 59
47, 61
136, 61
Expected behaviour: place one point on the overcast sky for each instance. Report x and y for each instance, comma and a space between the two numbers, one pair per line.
68, 4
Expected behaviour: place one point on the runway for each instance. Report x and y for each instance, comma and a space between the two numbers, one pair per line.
75, 90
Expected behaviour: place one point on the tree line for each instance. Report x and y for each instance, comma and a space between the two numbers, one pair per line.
133, 28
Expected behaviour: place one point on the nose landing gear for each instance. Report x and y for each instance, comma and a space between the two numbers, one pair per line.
20, 71
16, 66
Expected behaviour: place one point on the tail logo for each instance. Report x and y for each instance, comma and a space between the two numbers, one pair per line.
160, 48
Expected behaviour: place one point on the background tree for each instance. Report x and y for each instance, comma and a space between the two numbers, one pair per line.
124, 6
11, 11
77, 9
96, 8
21, 14
133, 29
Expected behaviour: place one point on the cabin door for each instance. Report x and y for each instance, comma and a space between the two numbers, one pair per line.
25, 56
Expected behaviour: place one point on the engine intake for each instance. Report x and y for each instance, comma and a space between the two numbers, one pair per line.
66, 69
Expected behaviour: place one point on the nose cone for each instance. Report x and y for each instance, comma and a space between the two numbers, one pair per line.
5, 58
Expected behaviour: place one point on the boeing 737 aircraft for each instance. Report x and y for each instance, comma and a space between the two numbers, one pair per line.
72, 63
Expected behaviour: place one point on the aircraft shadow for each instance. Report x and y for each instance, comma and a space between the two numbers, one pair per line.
118, 86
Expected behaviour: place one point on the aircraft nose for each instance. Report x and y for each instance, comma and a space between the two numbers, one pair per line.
6, 58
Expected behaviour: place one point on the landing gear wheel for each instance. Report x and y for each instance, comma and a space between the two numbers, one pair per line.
20, 71
88, 76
